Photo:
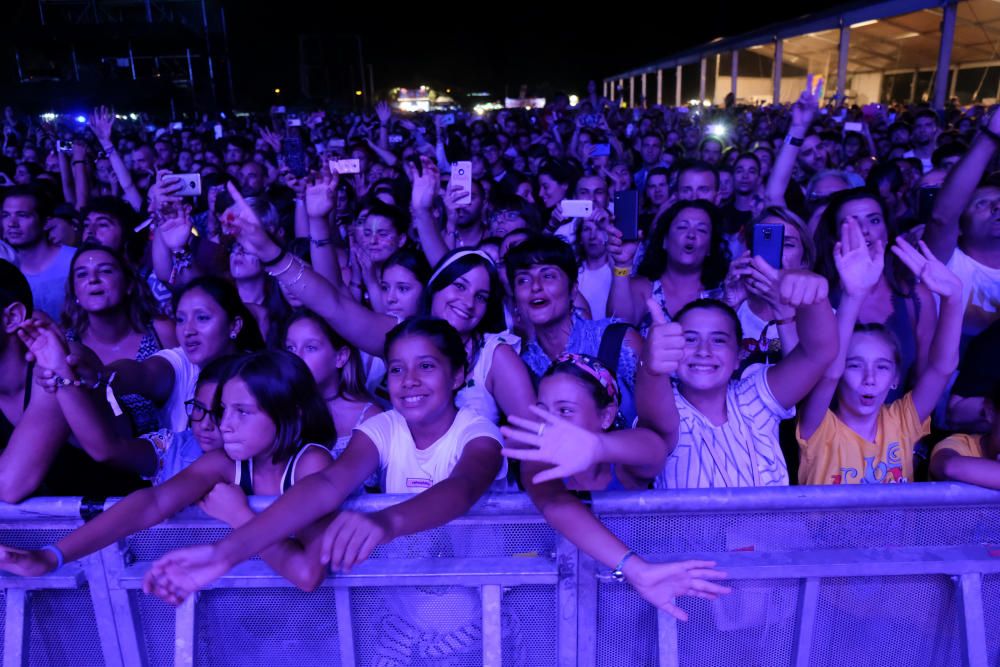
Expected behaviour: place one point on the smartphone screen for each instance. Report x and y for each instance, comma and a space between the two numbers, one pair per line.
627, 214
768, 242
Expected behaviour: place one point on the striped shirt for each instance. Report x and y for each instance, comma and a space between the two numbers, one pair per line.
744, 451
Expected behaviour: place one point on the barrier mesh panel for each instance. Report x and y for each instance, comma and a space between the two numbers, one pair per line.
887, 621
246, 627
991, 615
61, 629
626, 627
530, 625
155, 628
423, 626
754, 626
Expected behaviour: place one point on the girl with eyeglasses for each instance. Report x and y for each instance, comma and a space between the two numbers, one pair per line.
275, 430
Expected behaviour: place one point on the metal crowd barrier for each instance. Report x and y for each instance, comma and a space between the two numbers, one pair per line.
822, 576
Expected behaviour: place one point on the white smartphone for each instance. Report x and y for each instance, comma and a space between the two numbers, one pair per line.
345, 166
190, 185
336, 143
294, 121
218, 131
577, 208
177, 126
461, 176
853, 127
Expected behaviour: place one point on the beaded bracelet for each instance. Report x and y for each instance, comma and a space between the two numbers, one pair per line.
60, 558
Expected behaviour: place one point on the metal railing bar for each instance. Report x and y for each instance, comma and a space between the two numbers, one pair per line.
974, 652
492, 629
14, 636
345, 626
806, 613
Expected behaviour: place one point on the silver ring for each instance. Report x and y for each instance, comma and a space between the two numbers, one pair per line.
541, 429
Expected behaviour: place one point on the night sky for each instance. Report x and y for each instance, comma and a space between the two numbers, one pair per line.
468, 48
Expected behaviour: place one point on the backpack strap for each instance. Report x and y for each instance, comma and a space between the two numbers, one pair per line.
611, 345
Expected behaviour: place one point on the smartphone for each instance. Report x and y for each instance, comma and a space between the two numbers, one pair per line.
853, 127
218, 131
190, 185
601, 150
926, 197
177, 126
768, 242
461, 175
294, 121
64, 146
294, 154
590, 120
395, 138
345, 166
627, 214
448, 119
278, 110
577, 208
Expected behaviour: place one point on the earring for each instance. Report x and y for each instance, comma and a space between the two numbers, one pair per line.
232, 335
893, 387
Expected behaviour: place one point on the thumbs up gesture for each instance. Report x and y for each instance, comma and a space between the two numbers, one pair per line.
664, 348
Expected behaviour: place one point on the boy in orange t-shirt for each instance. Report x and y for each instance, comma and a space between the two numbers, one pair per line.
864, 441
972, 458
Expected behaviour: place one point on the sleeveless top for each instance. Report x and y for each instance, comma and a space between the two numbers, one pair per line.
141, 411
657, 289
474, 394
244, 471
341, 443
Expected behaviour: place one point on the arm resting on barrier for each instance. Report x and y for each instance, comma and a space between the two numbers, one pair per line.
950, 465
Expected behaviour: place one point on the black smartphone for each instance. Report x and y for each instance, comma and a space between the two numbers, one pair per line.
627, 214
223, 201
925, 202
768, 242
294, 154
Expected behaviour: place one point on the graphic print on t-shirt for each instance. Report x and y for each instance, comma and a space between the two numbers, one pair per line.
889, 471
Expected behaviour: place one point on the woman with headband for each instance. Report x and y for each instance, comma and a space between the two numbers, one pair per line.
464, 290
567, 447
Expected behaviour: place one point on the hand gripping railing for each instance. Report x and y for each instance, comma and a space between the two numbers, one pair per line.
816, 571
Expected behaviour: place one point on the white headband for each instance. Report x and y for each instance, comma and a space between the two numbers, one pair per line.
457, 256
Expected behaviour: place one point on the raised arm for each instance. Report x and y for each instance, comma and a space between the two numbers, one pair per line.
320, 196
942, 230
426, 183
803, 113
84, 408
621, 301
101, 123
859, 271
943, 358
792, 378
359, 326
654, 393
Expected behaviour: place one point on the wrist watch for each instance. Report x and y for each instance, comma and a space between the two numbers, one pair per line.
793, 141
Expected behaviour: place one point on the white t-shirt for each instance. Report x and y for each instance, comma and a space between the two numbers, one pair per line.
407, 469
474, 394
173, 415
595, 285
745, 451
981, 291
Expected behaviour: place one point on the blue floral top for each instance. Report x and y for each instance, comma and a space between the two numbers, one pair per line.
585, 338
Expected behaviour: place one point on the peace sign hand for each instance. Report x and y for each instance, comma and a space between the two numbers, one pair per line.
804, 110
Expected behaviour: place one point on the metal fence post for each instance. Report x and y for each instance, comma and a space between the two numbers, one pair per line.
587, 611
973, 623
567, 565
14, 636
808, 599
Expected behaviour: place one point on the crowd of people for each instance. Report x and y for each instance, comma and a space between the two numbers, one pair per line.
802, 294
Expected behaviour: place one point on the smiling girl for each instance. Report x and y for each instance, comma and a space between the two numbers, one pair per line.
862, 440
270, 417
445, 456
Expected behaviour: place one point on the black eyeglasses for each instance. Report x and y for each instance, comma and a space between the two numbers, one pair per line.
196, 411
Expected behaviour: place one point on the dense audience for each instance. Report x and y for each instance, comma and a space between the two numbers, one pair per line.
560, 300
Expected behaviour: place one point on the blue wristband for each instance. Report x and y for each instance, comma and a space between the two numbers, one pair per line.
60, 559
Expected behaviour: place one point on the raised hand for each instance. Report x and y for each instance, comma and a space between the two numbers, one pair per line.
734, 286
351, 538
928, 269
272, 139
660, 583
804, 110
175, 226
426, 183
101, 123
664, 348
163, 189
569, 448
860, 268
802, 288
321, 194
384, 112
241, 222
622, 252
46, 345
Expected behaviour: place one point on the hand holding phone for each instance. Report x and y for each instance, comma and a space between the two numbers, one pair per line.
627, 214
768, 243
461, 177
577, 208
